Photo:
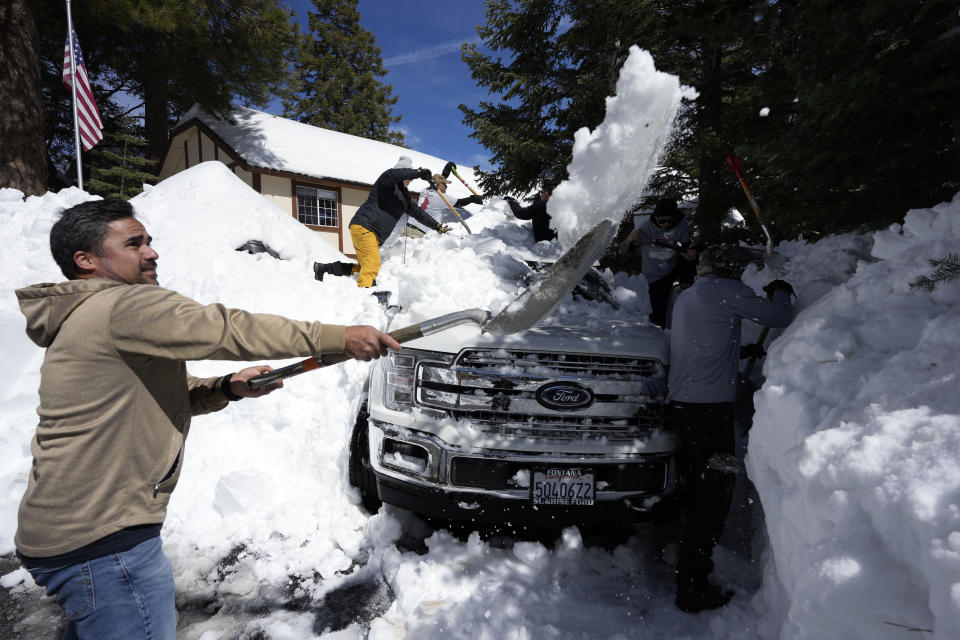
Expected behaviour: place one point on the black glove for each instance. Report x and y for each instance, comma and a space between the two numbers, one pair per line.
778, 285
424, 174
447, 168
443, 228
469, 200
754, 350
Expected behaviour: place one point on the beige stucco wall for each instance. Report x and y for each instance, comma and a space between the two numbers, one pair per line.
173, 163
330, 238
195, 141
208, 147
278, 191
244, 175
193, 146
351, 201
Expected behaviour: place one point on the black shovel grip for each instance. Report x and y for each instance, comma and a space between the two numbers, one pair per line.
406, 334
270, 377
401, 335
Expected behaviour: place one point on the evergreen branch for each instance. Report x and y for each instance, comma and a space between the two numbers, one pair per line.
947, 269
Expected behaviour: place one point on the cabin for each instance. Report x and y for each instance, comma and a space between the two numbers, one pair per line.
320, 176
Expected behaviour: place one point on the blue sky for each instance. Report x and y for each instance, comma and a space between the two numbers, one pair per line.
420, 44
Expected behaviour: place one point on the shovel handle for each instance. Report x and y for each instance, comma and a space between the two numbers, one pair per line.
472, 190
734, 163
447, 202
401, 335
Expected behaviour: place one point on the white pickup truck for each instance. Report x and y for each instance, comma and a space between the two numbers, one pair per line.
553, 426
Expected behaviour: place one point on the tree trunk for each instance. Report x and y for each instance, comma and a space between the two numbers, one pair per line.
710, 157
155, 99
23, 159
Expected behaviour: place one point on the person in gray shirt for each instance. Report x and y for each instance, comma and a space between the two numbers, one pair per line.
665, 254
704, 363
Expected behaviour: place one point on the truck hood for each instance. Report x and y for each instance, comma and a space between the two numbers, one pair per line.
598, 336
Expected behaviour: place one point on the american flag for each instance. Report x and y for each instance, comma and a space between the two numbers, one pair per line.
88, 116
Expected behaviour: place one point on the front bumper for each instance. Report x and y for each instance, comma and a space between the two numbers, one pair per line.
483, 486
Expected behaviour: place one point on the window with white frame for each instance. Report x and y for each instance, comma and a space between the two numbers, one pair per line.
317, 207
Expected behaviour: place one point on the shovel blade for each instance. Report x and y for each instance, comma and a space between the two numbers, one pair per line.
543, 296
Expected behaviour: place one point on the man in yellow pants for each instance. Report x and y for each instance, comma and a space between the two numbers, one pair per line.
376, 218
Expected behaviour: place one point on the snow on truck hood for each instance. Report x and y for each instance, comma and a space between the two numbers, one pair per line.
616, 337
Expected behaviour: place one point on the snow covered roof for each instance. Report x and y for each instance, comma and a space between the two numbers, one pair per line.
268, 141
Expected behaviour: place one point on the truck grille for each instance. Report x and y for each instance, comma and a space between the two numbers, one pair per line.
499, 391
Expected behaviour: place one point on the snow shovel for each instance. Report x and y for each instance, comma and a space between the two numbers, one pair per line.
532, 305
771, 260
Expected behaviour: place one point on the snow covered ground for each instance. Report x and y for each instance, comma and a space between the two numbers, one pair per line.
855, 448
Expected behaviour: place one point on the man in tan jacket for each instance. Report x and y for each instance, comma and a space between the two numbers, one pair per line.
115, 408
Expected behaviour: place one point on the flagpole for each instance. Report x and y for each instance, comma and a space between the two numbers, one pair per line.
73, 85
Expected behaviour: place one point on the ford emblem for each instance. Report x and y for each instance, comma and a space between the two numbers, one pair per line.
564, 396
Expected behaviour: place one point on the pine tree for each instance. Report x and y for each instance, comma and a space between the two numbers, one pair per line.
717, 48
870, 126
553, 63
844, 115
118, 166
337, 76
529, 139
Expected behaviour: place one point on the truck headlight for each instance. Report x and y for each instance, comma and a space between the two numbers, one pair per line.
400, 372
435, 377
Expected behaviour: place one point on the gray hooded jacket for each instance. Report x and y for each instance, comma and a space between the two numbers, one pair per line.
705, 336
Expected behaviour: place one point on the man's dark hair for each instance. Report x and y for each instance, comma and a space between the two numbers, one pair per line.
83, 228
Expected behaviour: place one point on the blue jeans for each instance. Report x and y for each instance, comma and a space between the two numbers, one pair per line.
121, 596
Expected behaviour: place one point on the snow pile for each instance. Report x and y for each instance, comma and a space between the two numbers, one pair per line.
855, 448
250, 217
264, 533
635, 130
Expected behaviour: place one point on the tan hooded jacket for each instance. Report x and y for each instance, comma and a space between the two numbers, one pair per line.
116, 399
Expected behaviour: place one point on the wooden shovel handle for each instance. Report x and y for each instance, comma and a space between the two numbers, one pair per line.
450, 206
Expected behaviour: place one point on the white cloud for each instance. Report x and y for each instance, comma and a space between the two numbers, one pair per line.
428, 53
409, 138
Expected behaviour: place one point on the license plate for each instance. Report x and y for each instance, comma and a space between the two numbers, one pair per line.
563, 487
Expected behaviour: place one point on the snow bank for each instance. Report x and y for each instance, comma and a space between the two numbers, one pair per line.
855, 448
